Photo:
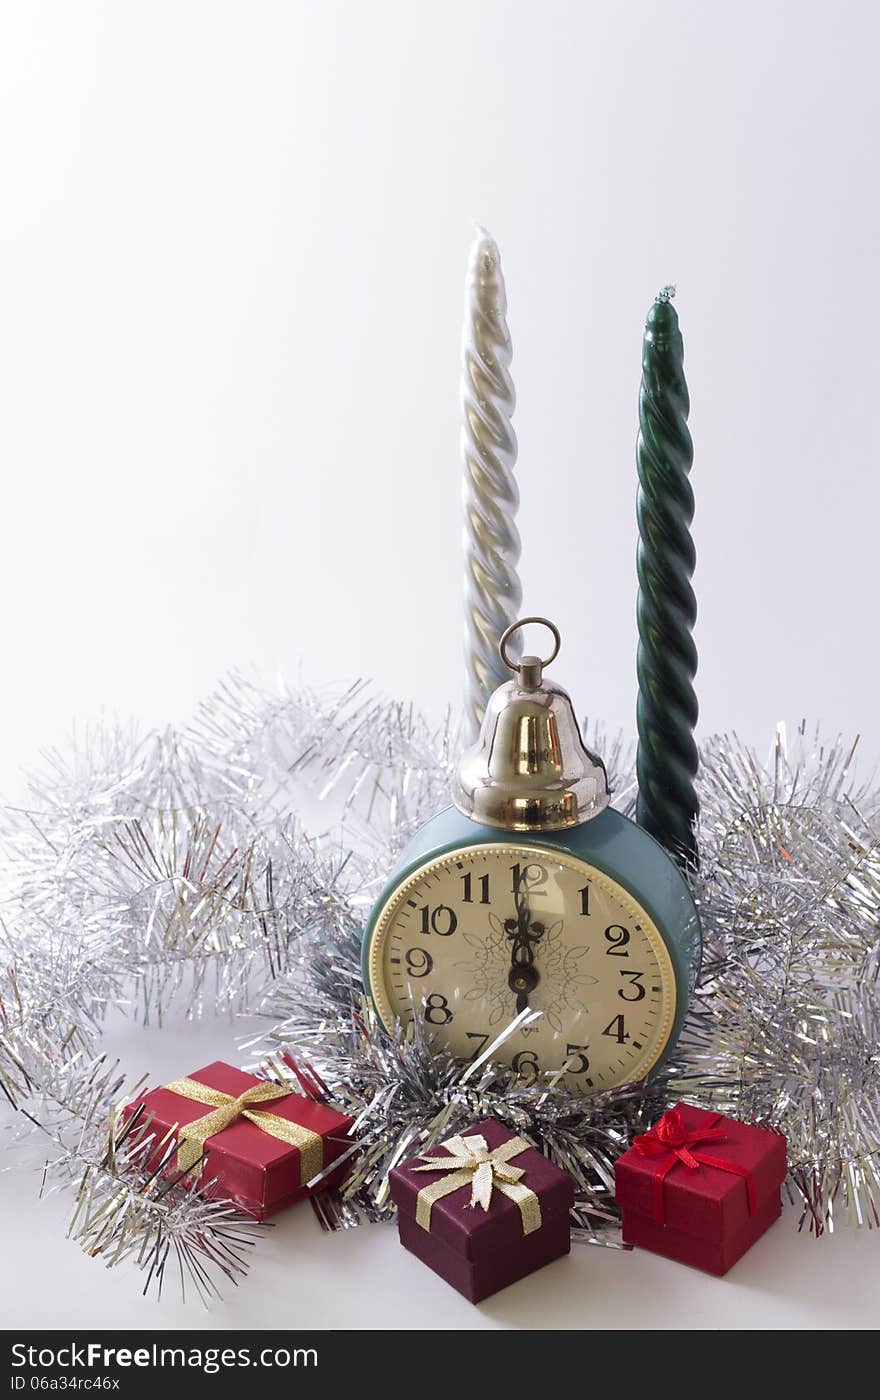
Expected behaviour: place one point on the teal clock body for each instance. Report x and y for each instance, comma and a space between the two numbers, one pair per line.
530, 923
403, 944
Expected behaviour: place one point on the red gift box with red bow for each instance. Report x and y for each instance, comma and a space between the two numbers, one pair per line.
700, 1188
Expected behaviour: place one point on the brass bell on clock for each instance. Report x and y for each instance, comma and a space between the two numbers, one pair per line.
530, 770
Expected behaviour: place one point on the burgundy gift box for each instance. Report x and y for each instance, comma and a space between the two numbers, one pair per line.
257, 1173
701, 1212
480, 1251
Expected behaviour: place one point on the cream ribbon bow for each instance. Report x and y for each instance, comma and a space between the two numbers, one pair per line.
470, 1163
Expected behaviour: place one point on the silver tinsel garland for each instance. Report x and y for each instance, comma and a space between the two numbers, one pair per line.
142, 866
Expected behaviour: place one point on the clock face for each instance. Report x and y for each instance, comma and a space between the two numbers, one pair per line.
477, 936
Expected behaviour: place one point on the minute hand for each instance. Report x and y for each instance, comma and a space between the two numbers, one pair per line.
523, 976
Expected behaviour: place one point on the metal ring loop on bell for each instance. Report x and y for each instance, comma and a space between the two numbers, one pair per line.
523, 622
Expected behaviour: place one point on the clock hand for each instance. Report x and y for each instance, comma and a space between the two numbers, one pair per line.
523, 976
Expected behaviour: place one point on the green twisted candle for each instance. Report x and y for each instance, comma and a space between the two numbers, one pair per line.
667, 709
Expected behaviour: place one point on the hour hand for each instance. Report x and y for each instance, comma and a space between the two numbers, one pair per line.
523, 933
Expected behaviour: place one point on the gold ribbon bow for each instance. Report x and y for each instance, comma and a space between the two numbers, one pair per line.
193, 1136
472, 1164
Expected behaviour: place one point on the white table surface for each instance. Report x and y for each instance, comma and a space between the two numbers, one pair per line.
302, 1277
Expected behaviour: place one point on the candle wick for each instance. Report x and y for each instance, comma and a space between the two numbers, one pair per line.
665, 293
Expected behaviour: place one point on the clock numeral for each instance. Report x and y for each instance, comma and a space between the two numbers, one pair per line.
484, 888
618, 937
482, 1037
636, 980
585, 899
525, 1064
437, 1011
418, 962
442, 920
615, 1029
578, 1050
532, 876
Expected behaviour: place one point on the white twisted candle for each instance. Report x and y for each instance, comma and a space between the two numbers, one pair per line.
492, 589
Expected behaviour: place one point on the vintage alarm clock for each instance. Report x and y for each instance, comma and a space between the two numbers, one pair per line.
532, 894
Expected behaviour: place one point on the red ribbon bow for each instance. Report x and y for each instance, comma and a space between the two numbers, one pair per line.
670, 1138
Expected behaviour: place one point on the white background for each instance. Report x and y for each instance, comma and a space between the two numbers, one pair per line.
233, 246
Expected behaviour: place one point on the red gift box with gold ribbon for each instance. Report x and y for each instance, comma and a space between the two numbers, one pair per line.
240, 1139
700, 1188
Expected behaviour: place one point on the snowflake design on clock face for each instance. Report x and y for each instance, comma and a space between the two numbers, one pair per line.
562, 985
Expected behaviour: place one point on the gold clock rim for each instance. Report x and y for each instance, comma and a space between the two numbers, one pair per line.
379, 935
